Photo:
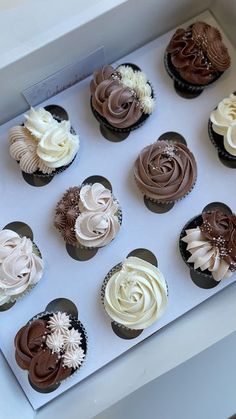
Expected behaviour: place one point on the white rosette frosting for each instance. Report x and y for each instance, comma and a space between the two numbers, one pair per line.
204, 255
223, 122
38, 121
96, 229
136, 295
58, 146
20, 267
96, 198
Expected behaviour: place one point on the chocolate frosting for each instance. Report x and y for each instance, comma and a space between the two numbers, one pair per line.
28, 342
67, 211
165, 171
100, 75
220, 230
46, 369
198, 53
117, 104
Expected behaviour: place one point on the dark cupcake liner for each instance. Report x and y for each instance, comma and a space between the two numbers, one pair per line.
180, 83
81, 329
218, 141
103, 121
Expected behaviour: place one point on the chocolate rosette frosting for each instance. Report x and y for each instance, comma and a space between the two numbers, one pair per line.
28, 342
198, 53
46, 369
165, 171
102, 93
100, 75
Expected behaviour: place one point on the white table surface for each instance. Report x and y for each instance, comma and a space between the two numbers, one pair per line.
173, 114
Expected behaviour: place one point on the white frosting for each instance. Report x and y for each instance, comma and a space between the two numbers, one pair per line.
73, 359
8, 242
136, 295
57, 147
55, 342
204, 255
38, 121
230, 139
59, 322
96, 198
96, 229
20, 269
72, 339
224, 115
126, 72
147, 104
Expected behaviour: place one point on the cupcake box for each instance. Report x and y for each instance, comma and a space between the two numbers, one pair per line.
81, 282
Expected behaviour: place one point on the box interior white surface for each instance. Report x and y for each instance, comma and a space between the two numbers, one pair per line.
183, 293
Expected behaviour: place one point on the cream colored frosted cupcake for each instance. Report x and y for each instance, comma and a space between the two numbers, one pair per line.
43, 145
21, 266
135, 294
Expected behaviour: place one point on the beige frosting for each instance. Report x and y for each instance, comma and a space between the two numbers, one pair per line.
58, 146
20, 269
96, 198
204, 255
38, 121
223, 122
136, 295
96, 229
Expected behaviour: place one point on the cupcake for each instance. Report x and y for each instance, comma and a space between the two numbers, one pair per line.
165, 171
196, 57
222, 127
121, 98
51, 348
88, 216
208, 246
43, 145
135, 294
21, 267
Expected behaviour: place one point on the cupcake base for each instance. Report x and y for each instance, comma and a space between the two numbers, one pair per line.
81, 253
203, 279
157, 207
20, 228
183, 88
7, 306
218, 141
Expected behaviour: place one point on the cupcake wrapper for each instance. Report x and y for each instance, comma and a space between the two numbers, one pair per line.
181, 83
218, 141
84, 333
14, 298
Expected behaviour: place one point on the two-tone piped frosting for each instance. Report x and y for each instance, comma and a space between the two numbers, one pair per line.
198, 53
50, 348
212, 244
223, 120
88, 216
42, 144
20, 266
136, 295
121, 96
165, 171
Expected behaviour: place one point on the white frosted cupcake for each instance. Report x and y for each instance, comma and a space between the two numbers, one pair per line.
135, 294
43, 146
21, 266
222, 127
88, 216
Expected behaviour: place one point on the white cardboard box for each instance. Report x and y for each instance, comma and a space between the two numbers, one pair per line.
189, 335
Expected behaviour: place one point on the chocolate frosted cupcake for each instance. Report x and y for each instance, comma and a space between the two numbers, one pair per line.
122, 98
88, 216
21, 266
51, 348
165, 171
196, 57
222, 127
43, 146
135, 294
208, 246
